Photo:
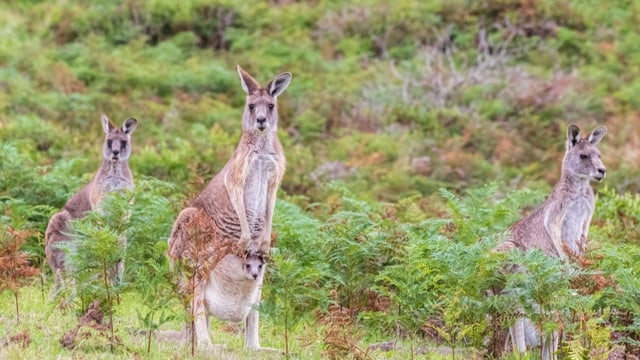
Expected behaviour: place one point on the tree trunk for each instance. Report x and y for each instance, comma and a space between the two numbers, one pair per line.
15, 296
286, 335
105, 277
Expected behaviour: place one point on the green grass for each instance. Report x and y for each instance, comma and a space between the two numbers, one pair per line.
46, 323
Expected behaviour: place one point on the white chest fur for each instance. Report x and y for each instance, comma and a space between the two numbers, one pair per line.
261, 172
230, 294
115, 182
576, 214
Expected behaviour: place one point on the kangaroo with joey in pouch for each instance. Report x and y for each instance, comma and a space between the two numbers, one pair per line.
560, 226
238, 205
113, 175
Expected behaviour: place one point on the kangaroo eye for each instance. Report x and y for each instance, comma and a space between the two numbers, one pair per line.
109, 143
251, 106
123, 143
271, 106
584, 156
248, 266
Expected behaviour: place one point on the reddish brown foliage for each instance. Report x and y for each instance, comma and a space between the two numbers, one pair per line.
201, 251
588, 284
340, 336
14, 265
377, 302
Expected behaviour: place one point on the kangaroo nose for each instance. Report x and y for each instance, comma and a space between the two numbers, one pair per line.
602, 171
116, 152
262, 120
255, 276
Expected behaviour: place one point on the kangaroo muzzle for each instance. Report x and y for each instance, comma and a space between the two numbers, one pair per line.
600, 175
261, 123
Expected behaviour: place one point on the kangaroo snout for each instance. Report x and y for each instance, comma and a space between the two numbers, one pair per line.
115, 155
262, 123
602, 172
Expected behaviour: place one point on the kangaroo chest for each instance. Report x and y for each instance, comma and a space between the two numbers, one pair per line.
261, 176
229, 294
115, 179
116, 183
576, 217
579, 209
575, 214
109, 181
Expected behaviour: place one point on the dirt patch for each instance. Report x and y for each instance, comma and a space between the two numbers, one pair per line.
22, 339
90, 325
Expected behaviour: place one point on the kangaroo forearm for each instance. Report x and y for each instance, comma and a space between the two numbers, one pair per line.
95, 195
265, 240
238, 201
573, 235
236, 197
553, 229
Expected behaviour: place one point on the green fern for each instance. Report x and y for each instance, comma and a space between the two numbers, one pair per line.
575, 349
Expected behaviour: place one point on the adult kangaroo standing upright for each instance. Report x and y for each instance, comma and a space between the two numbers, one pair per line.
560, 226
114, 175
235, 208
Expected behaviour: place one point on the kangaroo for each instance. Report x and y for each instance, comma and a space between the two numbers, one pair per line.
237, 205
114, 175
560, 226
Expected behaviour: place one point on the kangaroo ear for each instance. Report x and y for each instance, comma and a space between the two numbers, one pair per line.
129, 126
596, 135
573, 136
249, 84
279, 84
107, 125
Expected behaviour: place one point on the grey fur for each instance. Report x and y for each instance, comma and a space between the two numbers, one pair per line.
560, 226
113, 175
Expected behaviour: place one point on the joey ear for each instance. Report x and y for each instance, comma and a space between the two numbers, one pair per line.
248, 83
573, 136
107, 125
279, 84
596, 135
129, 126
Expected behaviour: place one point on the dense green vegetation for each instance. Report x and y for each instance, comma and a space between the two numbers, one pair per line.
415, 132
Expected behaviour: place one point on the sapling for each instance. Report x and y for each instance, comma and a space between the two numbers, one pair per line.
296, 276
149, 276
96, 249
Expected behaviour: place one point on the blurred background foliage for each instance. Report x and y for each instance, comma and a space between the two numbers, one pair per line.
389, 100
395, 99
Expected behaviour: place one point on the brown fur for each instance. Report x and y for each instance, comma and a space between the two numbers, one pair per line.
113, 175
229, 222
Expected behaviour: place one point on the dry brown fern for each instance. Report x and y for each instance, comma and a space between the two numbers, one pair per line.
22, 339
202, 251
14, 264
588, 284
341, 337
